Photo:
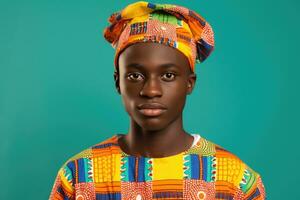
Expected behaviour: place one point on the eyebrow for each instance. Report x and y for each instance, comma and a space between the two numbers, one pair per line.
134, 65
139, 66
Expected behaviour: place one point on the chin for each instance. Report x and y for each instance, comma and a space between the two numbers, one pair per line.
151, 124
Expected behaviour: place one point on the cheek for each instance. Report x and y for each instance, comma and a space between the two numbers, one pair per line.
128, 94
126, 87
177, 92
128, 104
178, 102
179, 97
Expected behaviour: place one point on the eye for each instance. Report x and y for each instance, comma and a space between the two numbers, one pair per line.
169, 76
135, 76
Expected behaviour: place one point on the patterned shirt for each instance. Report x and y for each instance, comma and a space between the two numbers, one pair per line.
204, 171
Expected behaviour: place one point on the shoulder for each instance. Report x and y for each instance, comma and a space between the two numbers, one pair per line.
225, 168
102, 148
83, 161
79, 168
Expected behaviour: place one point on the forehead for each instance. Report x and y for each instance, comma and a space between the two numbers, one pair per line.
152, 54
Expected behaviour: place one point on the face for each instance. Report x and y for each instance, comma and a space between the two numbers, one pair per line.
153, 81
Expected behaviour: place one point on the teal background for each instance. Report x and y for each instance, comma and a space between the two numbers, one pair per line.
57, 93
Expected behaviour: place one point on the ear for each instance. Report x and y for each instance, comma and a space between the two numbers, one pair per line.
191, 82
117, 81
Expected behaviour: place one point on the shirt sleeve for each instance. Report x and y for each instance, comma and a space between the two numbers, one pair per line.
251, 186
63, 188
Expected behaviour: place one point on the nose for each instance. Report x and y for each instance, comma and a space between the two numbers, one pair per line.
152, 88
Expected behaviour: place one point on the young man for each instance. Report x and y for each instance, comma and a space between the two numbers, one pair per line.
156, 49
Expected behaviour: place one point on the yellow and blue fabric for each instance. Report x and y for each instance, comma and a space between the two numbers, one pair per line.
204, 171
172, 25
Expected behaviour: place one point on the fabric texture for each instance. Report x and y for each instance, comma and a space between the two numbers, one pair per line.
171, 25
204, 171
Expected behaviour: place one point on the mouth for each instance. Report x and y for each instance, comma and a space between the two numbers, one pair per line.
151, 109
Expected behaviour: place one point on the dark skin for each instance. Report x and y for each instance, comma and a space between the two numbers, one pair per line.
147, 73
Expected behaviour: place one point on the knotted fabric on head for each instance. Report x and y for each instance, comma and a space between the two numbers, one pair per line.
167, 24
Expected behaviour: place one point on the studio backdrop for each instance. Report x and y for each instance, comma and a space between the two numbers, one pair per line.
57, 94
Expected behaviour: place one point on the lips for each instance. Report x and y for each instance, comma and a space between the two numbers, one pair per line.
152, 109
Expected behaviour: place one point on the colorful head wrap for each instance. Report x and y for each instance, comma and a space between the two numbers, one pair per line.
172, 25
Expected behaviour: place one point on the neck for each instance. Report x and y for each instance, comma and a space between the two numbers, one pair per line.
164, 142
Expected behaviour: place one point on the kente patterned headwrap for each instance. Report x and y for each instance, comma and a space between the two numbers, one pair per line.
172, 25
